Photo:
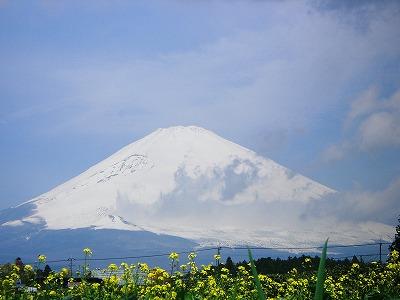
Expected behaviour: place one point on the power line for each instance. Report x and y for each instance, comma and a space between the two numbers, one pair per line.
304, 248
218, 249
359, 255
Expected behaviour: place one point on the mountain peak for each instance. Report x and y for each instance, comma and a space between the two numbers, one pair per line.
188, 182
177, 145
174, 178
182, 132
181, 128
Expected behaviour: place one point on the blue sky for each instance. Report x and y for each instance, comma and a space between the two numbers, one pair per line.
314, 85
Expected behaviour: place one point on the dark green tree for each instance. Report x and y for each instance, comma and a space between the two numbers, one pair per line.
230, 265
396, 243
355, 259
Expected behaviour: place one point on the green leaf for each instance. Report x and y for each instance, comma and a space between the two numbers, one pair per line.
260, 292
319, 289
189, 297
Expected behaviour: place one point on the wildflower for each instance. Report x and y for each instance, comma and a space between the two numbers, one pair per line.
113, 280
113, 267
87, 252
28, 268
183, 267
217, 257
143, 267
124, 266
16, 269
42, 258
192, 256
64, 272
95, 285
173, 256
225, 270
355, 266
394, 255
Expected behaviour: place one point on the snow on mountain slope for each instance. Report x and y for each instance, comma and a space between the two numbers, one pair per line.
185, 181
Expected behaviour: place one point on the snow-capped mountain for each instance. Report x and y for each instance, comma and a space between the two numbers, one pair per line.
190, 183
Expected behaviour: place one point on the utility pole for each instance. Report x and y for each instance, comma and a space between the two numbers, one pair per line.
70, 266
219, 254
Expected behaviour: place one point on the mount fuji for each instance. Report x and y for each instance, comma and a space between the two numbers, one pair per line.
179, 187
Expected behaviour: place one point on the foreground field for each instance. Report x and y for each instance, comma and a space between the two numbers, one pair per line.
213, 281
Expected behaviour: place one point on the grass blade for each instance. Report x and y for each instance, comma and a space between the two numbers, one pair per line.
260, 292
319, 289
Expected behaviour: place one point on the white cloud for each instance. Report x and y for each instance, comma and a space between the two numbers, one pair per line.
380, 129
336, 152
379, 124
364, 104
372, 123
280, 75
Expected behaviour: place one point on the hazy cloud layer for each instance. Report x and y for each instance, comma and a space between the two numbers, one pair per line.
360, 205
195, 204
